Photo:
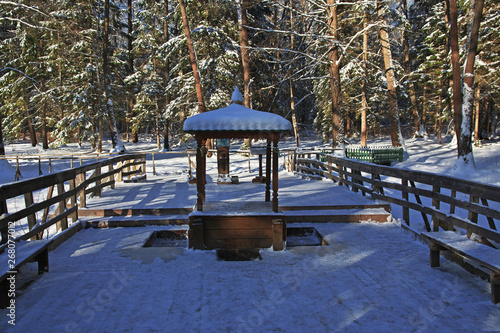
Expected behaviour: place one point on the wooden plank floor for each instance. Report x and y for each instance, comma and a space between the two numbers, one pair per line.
173, 191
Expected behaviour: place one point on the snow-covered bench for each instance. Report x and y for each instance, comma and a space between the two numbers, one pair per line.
15, 255
483, 255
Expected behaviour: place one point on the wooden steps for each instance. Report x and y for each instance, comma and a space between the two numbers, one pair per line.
137, 217
338, 214
107, 218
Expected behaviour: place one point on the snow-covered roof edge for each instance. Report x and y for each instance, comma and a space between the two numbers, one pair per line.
236, 117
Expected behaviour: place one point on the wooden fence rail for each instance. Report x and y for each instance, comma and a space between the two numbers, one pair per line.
68, 201
443, 202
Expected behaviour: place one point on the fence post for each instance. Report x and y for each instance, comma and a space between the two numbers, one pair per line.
40, 166
83, 196
405, 195
4, 232
61, 208
18, 171
111, 177
72, 200
28, 200
472, 216
437, 205
97, 192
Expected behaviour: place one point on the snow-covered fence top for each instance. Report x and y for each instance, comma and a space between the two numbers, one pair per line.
72, 187
445, 202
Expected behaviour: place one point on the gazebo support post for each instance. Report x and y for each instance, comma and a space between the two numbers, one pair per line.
200, 173
268, 171
275, 174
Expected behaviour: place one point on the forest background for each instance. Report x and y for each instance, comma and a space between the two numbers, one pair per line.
76, 70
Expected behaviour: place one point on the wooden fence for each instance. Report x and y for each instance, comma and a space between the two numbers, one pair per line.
81, 181
441, 201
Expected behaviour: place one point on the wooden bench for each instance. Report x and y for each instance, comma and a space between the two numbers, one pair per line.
484, 255
25, 251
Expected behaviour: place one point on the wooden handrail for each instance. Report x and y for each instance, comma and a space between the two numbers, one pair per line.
79, 185
474, 199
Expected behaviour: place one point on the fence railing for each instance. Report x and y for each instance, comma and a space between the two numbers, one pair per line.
72, 185
442, 202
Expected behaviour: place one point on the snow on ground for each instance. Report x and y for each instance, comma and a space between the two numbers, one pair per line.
371, 277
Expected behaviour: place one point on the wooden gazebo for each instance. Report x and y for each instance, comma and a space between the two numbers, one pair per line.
241, 225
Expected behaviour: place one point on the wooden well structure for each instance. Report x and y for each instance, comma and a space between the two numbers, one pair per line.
230, 224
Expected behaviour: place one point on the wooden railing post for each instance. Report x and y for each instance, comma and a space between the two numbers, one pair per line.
111, 177
97, 192
472, 216
28, 200
62, 207
119, 176
405, 196
83, 197
72, 200
4, 232
436, 204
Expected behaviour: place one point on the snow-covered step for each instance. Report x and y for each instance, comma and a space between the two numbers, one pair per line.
134, 211
134, 220
342, 215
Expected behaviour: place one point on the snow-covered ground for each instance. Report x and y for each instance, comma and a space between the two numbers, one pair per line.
371, 277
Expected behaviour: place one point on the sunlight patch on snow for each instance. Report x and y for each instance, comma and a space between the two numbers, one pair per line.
92, 248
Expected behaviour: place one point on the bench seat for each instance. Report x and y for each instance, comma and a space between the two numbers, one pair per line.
484, 255
25, 251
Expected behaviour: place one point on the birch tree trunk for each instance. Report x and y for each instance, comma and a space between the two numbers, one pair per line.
107, 85
455, 67
2, 146
391, 81
364, 99
465, 142
334, 69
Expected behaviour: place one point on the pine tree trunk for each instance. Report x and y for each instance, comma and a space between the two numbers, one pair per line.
413, 95
130, 62
107, 84
391, 81
292, 97
166, 142
192, 57
477, 112
465, 142
245, 58
31, 127
334, 69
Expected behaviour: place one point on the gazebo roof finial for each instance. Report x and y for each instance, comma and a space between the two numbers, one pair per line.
237, 97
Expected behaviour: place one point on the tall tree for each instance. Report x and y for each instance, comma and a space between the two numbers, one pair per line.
245, 57
115, 140
334, 69
465, 140
390, 78
192, 57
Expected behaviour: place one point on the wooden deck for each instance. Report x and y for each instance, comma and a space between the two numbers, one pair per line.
170, 199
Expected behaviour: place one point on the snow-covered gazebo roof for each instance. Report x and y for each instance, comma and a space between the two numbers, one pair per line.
236, 121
